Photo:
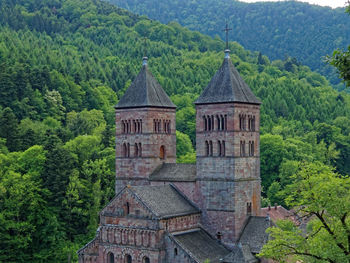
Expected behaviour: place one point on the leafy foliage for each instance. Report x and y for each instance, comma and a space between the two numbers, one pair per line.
64, 64
287, 28
322, 202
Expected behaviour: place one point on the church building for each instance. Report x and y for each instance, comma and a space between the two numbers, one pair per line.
166, 212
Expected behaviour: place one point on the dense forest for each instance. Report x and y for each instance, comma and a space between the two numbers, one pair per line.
63, 66
277, 29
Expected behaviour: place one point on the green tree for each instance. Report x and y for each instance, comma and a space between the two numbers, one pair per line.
9, 129
341, 60
322, 198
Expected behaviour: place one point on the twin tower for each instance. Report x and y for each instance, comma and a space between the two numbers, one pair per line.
225, 181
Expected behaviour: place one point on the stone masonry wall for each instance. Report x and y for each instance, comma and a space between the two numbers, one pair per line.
225, 184
135, 170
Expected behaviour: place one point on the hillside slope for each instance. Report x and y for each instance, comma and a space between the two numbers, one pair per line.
277, 29
65, 63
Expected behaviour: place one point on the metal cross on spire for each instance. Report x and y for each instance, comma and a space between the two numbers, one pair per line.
227, 30
145, 58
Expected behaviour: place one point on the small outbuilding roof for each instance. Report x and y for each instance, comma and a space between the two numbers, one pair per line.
199, 245
240, 254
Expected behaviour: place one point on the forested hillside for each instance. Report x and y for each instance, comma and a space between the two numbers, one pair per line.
63, 66
277, 29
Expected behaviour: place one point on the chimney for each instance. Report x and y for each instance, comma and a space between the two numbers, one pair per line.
275, 206
219, 236
269, 208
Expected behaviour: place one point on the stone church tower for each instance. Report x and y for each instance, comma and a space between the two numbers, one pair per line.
146, 132
228, 157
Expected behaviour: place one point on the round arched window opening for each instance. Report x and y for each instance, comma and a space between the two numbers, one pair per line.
175, 251
162, 152
128, 259
146, 260
110, 257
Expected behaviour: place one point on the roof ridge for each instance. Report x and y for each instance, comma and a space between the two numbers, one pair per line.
144, 204
185, 197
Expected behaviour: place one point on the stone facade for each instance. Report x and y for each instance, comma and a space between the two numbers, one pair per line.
228, 183
165, 212
135, 166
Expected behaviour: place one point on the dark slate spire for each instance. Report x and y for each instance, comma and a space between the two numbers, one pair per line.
145, 91
227, 85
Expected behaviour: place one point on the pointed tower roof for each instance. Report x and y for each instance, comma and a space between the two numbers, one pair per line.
227, 86
145, 91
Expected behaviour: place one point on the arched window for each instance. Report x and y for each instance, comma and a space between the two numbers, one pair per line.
128, 150
162, 152
219, 148
253, 123
110, 257
169, 127
140, 150
249, 208
136, 150
127, 207
145, 260
218, 122
242, 148
222, 123
209, 124
225, 122
206, 148
125, 150
128, 259
211, 148
205, 123
175, 251
123, 127
223, 148
135, 129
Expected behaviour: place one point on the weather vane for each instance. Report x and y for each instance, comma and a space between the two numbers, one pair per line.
227, 30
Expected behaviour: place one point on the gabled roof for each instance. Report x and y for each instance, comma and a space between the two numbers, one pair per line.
227, 86
145, 91
179, 172
254, 233
165, 201
240, 254
278, 213
200, 246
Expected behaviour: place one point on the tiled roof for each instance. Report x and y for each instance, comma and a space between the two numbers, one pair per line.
174, 172
240, 254
254, 233
145, 91
227, 86
277, 213
165, 201
201, 246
